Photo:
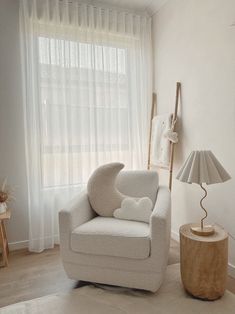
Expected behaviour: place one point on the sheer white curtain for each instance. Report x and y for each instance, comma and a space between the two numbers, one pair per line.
87, 94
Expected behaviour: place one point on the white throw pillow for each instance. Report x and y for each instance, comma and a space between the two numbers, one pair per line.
135, 209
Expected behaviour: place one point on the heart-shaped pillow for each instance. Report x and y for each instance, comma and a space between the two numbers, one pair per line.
135, 209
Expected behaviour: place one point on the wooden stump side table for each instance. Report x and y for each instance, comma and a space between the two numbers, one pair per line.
203, 262
3, 237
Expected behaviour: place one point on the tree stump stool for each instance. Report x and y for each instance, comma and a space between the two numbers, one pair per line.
204, 262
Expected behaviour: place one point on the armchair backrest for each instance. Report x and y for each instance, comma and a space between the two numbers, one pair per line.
138, 183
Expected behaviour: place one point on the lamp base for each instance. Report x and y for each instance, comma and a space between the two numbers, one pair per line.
205, 231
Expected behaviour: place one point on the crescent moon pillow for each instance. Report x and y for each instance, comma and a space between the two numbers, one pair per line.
102, 192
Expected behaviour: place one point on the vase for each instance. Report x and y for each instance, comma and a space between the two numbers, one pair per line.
3, 208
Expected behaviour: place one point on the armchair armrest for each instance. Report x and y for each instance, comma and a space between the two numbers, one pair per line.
77, 212
160, 225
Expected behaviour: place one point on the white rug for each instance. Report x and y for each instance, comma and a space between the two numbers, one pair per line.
171, 298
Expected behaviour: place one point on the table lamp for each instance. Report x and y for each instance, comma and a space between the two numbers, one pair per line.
202, 167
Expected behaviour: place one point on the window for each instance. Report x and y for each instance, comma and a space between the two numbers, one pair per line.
81, 84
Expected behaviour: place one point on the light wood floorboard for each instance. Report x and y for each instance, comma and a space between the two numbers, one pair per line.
32, 275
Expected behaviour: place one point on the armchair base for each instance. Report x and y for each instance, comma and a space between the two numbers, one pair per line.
149, 281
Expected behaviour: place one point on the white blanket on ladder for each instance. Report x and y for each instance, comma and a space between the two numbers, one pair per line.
160, 145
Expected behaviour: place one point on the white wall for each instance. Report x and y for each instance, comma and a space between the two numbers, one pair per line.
195, 44
12, 158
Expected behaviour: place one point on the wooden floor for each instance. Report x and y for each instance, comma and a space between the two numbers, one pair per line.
31, 275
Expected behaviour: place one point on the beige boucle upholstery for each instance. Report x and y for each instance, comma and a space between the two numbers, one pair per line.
112, 237
138, 183
143, 273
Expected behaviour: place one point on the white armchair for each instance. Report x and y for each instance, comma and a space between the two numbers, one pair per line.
118, 252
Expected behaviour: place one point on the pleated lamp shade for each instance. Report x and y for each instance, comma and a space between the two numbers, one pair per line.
202, 167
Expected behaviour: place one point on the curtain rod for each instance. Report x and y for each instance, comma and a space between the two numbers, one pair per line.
101, 5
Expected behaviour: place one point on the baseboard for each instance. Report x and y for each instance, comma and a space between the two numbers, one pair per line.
231, 270
231, 267
13, 246
175, 235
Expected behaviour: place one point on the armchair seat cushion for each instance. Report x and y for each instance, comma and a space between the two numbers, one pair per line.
112, 237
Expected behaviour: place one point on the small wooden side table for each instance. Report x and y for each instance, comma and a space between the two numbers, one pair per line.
3, 237
204, 262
